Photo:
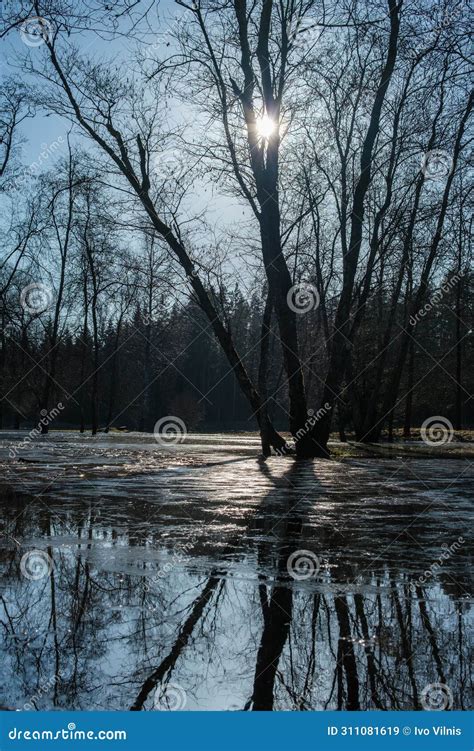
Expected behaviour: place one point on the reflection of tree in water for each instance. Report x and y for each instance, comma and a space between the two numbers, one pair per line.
354, 636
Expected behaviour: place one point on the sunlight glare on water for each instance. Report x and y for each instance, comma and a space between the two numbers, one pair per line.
145, 542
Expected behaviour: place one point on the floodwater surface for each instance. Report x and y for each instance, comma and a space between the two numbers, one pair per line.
197, 576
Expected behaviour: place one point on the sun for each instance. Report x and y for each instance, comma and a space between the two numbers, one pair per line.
265, 126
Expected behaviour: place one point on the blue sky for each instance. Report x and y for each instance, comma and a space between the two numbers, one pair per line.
41, 128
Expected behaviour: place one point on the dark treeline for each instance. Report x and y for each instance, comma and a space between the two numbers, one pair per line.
254, 217
172, 365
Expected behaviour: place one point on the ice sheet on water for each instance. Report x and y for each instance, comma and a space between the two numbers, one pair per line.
144, 542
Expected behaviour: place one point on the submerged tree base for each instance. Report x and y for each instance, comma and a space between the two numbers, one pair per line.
312, 446
318, 452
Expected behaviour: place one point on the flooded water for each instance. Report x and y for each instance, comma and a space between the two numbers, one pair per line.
136, 576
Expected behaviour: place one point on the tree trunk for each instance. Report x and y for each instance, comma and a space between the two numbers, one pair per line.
459, 349
420, 295
342, 324
141, 186
263, 370
113, 376
95, 373
145, 404
409, 397
64, 247
280, 283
